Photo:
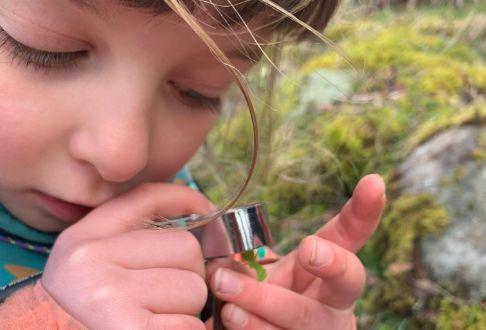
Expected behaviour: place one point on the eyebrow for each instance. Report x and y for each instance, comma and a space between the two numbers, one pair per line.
157, 6
246, 52
84, 4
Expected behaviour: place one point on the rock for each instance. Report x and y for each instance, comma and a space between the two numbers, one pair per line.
444, 167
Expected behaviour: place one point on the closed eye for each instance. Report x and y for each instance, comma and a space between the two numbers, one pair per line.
38, 59
195, 99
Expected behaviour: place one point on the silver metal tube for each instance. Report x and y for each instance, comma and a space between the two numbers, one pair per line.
238, 230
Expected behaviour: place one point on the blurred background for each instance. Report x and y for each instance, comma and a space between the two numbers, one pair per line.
402, 94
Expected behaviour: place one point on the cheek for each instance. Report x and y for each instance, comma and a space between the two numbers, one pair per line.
175, 146
20, 144
23, 130
195, 131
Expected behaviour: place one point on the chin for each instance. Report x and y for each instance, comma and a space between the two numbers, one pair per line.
45, 224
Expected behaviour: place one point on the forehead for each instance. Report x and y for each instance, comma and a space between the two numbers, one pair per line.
249, 43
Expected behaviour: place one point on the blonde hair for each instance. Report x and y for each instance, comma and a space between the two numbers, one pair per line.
289, 20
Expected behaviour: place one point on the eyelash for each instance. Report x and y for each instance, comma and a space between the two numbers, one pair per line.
44, 60
38, 59
194, 99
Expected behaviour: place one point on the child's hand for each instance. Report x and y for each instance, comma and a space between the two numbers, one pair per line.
110, 274
316, 285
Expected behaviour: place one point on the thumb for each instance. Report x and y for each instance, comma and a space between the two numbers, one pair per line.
232, 264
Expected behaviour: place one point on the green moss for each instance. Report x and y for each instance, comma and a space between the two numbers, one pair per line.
411, 217
429, 66
453, 316
408, 219
418, 74
473, 114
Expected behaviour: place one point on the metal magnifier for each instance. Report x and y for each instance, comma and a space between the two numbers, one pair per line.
238, 230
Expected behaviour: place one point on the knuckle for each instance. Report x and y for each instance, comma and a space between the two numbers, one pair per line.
102, 294
82, 254
65, 239
193, 246
305, 316
311, 317
192, 249
192, 323
261, 295
198, 291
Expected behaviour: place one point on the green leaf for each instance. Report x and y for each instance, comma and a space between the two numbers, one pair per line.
250, 257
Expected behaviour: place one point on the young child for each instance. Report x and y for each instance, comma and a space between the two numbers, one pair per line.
101, 104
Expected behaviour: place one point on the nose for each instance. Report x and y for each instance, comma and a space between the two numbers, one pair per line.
114, 136
117, 148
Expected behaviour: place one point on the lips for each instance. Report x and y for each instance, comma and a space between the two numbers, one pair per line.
63, 210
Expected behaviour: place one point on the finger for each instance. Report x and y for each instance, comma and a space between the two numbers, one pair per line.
342, 275
275, 304
213, 265
142, 249
358, 219
236, 318
239, 265
131, 210
175, 322
166, 291
134, 317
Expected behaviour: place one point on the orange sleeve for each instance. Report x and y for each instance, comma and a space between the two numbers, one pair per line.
33, 308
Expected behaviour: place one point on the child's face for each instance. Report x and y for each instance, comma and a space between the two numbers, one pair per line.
130, 111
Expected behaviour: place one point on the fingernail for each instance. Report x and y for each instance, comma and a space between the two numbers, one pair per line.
321, 254
237, 316
227, 282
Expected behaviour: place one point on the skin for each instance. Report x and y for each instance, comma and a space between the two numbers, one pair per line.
297, 293
66, 134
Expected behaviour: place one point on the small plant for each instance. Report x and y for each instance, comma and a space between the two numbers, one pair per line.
250, 258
